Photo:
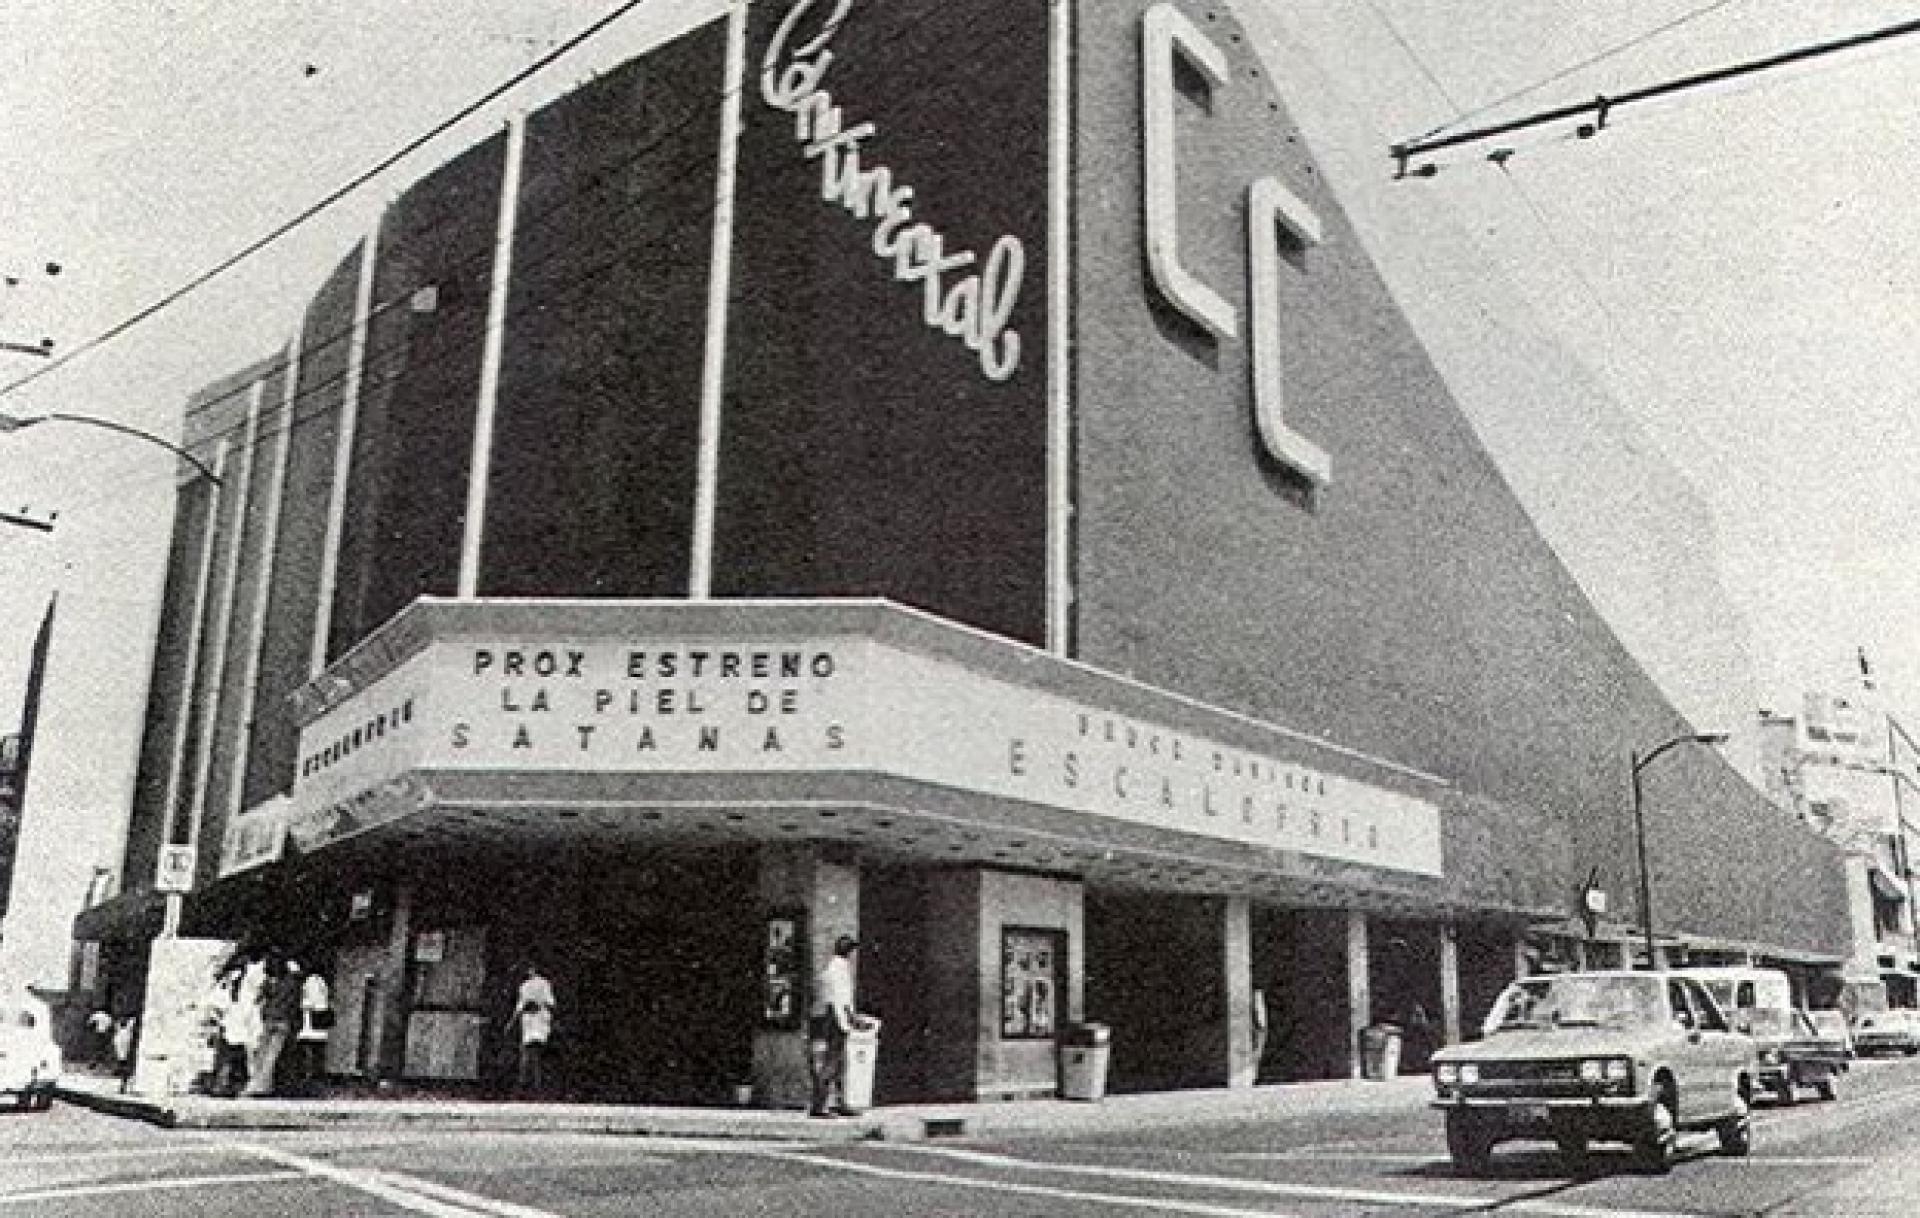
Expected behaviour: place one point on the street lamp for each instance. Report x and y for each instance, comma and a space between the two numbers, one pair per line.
15, 423
1640, 827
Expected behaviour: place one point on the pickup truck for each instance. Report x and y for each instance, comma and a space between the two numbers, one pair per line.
1791, 1051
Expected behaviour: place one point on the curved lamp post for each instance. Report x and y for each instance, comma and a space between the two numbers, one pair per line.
1641, 762
15, 423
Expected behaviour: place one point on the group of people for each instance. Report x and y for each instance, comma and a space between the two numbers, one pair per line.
263, 1005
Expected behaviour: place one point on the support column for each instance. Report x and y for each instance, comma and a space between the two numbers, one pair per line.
1449, 983
1359, 988
825, 893
387, 1054
1244, 1041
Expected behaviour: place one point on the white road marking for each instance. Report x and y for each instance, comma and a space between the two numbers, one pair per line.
1236, 1184
71, 1158
408, 1192
1162, 1204
69, 1192
1301, 1191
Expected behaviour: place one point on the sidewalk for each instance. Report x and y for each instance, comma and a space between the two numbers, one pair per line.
906, 1123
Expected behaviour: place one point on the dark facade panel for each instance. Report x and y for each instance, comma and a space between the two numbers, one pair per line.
591, 487
865, 451
1410, 609
167, 698
209, 673
218, 413
249, 478
413, 431
312, 432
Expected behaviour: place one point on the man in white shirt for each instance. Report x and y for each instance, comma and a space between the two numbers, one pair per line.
534, 1011
831, 1019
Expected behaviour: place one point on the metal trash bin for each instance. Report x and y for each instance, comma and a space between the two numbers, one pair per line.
1380, 1051
1084, 1051
863, 1052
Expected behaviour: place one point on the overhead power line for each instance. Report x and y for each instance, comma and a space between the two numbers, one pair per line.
1601, 106
1598, 57
218, 269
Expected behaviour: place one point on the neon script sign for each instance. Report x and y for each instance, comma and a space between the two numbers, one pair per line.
975, 306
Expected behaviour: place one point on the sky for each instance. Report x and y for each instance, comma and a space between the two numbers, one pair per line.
1730, 264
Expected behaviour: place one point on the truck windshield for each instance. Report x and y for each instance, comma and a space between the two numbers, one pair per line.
1578, 1001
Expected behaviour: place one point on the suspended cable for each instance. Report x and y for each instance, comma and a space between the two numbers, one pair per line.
1406, 48
1596, 58
1601, 106
207, 276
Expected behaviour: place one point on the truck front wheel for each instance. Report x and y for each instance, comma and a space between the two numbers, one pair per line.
1659, 1135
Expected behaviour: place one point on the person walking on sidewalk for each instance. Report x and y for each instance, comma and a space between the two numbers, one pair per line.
279, 1014
126, 1032
310, 1042
236, 1016
533, 1010
831, 1019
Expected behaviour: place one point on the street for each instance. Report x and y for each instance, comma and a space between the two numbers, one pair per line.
1859, 1156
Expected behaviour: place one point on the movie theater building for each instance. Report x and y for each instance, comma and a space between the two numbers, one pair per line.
940, 472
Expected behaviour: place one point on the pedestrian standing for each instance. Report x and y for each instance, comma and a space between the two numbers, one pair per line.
248, 1021
237, 1027
1257, 1021
533, 1010
100, 1030
125, 1033
316, 1022
830, 1022
279, 1015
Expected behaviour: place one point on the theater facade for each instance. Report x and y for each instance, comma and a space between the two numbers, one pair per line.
941, 472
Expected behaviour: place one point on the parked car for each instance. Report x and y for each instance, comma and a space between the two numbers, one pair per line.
1894, 1031
30, 1063
1831, 1027
1631, 1057
1790, 1052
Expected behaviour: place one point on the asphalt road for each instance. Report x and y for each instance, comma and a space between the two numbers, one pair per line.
1857, 1157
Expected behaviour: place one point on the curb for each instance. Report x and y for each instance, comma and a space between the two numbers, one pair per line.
907, 1123
131, 1107
205, 1114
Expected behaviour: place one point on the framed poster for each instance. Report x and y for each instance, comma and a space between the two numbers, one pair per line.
783, 970
1031, 963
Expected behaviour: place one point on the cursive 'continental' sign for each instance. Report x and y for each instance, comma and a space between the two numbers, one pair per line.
961, 296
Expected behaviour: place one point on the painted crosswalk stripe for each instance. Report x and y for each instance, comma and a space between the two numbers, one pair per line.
1278, 1189
408, 1192
1164, 1205
73, 1191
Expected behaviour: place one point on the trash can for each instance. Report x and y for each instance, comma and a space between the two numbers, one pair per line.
1380, 1051
863, 1051
1084, 1048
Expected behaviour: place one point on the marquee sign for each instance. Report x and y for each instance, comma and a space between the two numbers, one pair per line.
829, 704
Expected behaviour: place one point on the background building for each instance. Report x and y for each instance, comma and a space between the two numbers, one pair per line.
1028, 536
16, 757
1850, 771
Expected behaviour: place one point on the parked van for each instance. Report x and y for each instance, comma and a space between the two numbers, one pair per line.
1792, 1052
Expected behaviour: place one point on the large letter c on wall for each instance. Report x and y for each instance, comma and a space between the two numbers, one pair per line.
1271, 210
1166, 31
